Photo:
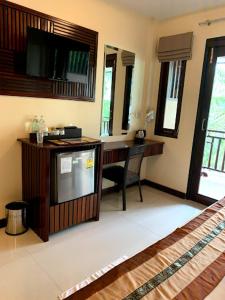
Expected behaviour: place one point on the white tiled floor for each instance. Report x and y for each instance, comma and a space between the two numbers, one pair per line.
31, 269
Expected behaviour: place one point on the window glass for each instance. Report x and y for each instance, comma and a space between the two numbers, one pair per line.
170, 97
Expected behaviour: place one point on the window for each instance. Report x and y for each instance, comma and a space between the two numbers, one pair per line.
170, 98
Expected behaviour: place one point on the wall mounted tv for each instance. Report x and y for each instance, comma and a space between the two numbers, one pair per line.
45, 57
55, 57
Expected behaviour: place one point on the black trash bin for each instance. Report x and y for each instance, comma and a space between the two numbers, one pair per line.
16, 218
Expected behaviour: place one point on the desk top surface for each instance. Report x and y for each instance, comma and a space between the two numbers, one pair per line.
50, 146
108, 146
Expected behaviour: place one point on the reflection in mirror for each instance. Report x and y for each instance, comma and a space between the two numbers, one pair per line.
116, 99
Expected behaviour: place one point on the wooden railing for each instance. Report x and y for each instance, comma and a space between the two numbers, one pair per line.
214, 154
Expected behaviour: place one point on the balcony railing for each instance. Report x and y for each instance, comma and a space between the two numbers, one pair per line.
214, 154
105, 127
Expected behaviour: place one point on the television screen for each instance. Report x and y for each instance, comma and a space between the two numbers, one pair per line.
55, 57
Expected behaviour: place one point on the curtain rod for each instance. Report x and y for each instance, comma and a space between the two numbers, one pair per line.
209, 22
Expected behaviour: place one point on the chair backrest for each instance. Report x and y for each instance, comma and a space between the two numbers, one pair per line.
134, 160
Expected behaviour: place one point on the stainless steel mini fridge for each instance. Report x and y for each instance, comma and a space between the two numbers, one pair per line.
73, 175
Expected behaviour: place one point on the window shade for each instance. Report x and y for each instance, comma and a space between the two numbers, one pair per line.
128, 58
175, 47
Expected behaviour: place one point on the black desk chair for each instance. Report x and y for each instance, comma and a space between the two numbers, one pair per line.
129, 174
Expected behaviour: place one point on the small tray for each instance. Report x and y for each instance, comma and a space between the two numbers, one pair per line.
73, 141
70, 133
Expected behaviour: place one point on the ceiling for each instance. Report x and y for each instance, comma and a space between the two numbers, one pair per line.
164, 9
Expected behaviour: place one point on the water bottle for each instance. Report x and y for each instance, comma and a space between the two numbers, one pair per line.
42, 126
35, 124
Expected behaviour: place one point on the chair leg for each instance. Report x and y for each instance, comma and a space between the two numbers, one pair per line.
117, 188
139, 185
124, 197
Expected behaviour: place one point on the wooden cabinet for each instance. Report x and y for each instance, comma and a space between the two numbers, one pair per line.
43, 217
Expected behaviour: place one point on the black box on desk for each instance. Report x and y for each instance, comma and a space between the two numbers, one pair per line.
71, 132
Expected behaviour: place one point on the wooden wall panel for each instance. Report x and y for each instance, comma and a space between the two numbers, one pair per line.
73, 212
56, 219
14, 21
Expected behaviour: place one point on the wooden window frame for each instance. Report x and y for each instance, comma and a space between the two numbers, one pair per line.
127, 97
164, 74
111, 61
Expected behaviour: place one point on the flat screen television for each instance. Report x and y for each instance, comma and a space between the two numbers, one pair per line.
55, 57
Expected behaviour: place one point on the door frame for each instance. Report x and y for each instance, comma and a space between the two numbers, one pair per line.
208, 72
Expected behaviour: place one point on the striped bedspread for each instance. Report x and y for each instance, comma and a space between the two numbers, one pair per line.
187, 264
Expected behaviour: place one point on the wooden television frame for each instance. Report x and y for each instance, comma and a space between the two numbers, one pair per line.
14, 20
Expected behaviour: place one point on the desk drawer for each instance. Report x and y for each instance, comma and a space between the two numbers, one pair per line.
115, 155
119, 152
153, 150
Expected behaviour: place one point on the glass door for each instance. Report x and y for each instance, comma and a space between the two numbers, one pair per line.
206, 182
212, 181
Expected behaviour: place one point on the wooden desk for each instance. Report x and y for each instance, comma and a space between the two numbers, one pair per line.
46, 218
117, 151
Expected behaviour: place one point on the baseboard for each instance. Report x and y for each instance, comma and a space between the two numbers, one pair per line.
151, 184
204, 200
164, 188
2, 223
113, 189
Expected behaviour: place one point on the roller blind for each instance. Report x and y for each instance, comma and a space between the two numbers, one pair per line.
128, 58
175, 47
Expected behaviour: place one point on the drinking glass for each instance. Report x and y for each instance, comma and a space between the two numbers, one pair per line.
40, 136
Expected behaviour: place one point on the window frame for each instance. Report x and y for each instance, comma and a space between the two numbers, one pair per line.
111, 61
127, 97
162, 96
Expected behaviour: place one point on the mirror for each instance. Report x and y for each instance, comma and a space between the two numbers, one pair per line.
116, 96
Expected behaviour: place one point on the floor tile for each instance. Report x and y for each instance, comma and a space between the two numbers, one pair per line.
84, 254
23, 279
44, 270
14, 247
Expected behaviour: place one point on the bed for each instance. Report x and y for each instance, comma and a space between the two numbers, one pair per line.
187, 264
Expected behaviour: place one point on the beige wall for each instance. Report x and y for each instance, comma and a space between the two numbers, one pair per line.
116, 27
134, 33
171, 169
